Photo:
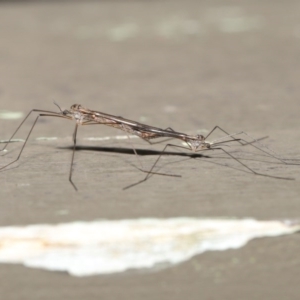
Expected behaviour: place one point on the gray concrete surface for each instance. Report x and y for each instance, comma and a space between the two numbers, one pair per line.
190, 65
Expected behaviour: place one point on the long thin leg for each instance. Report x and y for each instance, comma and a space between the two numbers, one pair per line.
244, 142
254, 172
134, 150
239, 161
153, 166
92, 122
163, 141
274, 155
221, 129
40, 115
170, 129
256, 140
73, 154
142, 168
47, 113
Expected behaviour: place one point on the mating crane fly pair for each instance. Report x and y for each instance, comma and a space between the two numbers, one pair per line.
194, 143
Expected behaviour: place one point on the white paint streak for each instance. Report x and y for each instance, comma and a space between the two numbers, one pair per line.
23, 184
123, 32
53, 138
239, 24
43, 138
177, 26
10, 115
12, 140
101, 247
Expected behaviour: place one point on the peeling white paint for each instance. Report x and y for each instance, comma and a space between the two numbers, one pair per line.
102, 247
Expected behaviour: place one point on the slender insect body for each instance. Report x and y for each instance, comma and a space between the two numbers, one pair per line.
78, 117
195, 143
74, 115
146, 135
129, 129
102, 120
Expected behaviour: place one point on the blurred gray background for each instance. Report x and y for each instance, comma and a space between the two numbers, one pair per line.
189, 65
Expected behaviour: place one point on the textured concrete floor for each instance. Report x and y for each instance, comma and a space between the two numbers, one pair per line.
190, 66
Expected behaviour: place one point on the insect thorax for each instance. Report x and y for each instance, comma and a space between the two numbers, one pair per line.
196, 142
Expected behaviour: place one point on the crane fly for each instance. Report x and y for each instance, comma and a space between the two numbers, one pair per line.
194, 143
